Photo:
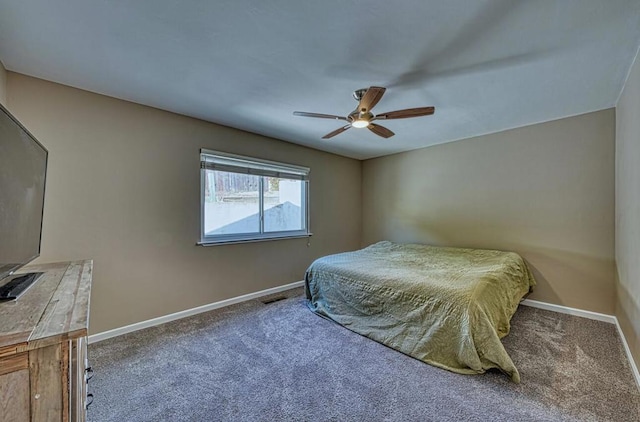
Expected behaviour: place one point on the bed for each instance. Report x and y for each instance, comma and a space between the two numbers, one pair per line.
448, 307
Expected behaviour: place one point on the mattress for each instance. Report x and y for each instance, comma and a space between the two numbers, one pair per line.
448, 307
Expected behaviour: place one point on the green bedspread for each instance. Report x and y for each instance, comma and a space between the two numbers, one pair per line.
448, 307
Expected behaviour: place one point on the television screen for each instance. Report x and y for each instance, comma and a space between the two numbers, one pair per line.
23, 168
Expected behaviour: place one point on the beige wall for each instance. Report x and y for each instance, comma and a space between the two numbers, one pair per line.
628, 210
3, 85
123, 189
545, 191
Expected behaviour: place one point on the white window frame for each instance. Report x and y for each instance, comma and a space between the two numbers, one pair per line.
222, 161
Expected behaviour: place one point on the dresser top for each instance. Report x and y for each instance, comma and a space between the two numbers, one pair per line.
55, 308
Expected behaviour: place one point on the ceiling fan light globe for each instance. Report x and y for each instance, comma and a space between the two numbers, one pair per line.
360, 123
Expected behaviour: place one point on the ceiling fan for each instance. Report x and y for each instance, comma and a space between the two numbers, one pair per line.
363, 117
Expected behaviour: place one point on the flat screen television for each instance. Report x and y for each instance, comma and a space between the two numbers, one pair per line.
23, 170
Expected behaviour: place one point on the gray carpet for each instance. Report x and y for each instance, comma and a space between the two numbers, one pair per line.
278, 361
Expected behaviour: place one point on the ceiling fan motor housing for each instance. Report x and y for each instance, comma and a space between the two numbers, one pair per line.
359, 115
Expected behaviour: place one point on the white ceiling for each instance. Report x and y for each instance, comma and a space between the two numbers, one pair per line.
485, 65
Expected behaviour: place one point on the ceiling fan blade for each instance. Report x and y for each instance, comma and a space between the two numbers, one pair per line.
336, 132
371, 98
406, 113
380, 130
319, 115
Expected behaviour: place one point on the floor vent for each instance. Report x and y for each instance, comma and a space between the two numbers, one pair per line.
272, 300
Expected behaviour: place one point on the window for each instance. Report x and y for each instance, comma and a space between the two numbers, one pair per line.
246, 199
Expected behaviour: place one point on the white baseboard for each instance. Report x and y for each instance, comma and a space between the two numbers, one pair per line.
611, 319
632, 363
571, 311
189, 312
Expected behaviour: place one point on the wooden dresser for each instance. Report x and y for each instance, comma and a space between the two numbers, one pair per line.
43, 346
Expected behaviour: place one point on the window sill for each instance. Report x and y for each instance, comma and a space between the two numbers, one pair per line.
252, 240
